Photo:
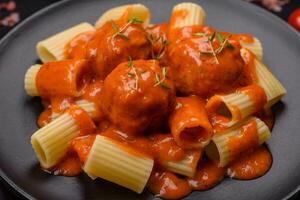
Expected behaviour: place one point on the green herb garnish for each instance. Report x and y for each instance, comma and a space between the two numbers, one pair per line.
199, 34
119, 31
132, 71
153, 40
159, 81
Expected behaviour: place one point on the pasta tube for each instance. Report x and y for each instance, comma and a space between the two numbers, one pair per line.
50, 143
44, 80
187, 14
236, 106
264, 78
272, 86
88, 106
186, 166
30, 80
229, 144
53, 48
255, 47
118, 163
189, 123
126, 12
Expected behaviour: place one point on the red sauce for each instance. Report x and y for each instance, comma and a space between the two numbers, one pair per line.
267, 117
167, 185
256, 94
82, 145
189, 123
44, 118
166, 149
207, 175
251, 165
69, 166
59, 104
60, 78
246, 139
85, 123
92, 93
77, 47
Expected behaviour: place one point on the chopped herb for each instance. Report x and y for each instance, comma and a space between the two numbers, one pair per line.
119, 31
199, 34
164, 86
213, 52
114, 26
211, 38
225, 42
219, 37
130, 74
164, 71
153, 40
159, 81
135, 21
130, 63
230, 46
132, 68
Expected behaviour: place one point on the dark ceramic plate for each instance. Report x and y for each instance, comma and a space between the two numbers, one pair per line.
18, 112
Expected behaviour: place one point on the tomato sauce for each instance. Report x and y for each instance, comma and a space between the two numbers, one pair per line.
207, 176
246, 139
251, 165
69, 166
143, 83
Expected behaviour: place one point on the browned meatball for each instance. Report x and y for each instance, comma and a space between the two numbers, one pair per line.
114, 49
197, 71
138, 95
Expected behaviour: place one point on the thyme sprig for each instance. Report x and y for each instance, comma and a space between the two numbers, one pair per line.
159, 81
120, 31
224, 42
153, 40
133, 72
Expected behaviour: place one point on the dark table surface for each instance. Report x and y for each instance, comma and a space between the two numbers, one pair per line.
13, 12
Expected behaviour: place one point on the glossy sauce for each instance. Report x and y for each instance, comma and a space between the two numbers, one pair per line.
251, 165
246, 139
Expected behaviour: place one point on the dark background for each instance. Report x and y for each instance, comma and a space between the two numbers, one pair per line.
25, 8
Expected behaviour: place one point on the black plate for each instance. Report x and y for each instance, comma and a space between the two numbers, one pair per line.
18, 112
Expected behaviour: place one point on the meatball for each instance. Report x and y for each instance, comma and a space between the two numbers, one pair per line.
138, 95
114, 48
197, 71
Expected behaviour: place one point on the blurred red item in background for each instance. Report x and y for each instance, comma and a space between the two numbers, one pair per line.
294, 19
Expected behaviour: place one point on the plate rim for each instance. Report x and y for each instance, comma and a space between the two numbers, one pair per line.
14, 186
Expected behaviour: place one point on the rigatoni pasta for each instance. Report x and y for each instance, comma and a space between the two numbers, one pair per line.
189, 123
187, 166
238, 105
30, 80
255, 47
187, 14
38, 83
231, 143
50, 143
129, 12
272, 86
118, 163
53, 48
